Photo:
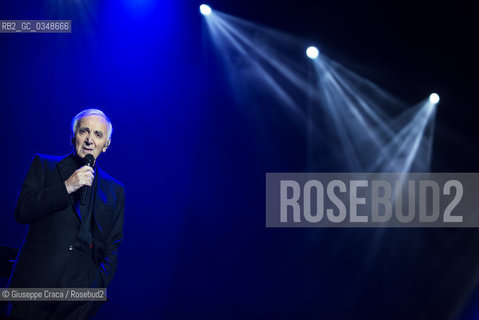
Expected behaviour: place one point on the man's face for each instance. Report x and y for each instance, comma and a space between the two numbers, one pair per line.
91, 136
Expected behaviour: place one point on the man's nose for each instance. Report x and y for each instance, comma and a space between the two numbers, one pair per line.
88, 139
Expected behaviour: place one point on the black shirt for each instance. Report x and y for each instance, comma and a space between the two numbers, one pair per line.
84, 211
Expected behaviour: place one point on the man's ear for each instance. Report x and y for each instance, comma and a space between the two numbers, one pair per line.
72, 140
107, 144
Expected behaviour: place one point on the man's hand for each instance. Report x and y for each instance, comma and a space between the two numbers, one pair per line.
82, 177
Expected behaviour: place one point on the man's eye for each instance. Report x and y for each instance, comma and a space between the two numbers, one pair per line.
99, 135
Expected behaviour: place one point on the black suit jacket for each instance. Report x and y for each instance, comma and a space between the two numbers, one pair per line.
49, 245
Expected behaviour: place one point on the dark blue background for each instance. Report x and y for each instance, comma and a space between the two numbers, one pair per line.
194, 161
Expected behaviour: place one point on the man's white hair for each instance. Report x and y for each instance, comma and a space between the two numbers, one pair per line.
90, 112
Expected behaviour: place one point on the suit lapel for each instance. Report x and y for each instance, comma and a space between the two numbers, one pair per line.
97, 197
66, 167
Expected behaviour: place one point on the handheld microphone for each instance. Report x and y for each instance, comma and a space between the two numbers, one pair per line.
88, 160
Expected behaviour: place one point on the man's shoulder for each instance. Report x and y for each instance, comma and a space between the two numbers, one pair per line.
109, 179
46, 161
48, 158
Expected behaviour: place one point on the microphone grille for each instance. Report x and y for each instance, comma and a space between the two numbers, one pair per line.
89, 159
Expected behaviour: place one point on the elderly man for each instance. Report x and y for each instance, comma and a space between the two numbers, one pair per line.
70, 243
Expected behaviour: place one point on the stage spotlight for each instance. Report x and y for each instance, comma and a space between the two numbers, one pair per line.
434, 98
205, 9
312, 52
